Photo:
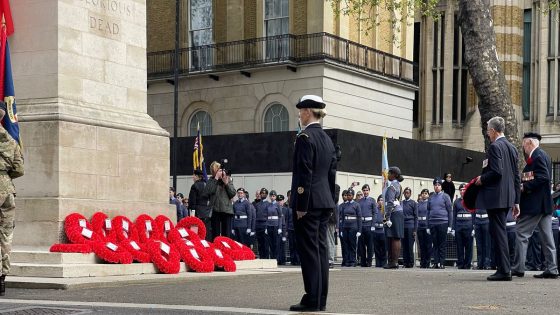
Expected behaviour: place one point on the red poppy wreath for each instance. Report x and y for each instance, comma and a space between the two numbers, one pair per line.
103, 227
147, 228
124, 229
111, 252
194, 224
195, 257
164, 225
166, 258
79, 230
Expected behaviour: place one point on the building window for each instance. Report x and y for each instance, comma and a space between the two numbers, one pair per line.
460, 76
200, 31
276, 22
552, 61
203, 119
437, 70
276, 118
526, 93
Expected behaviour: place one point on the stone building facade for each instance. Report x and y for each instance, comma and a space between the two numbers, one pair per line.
527, 44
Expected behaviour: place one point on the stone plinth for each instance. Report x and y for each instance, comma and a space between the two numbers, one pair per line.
89, 145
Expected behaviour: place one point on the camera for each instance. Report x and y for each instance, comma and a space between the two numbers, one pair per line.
224, 168
354, 184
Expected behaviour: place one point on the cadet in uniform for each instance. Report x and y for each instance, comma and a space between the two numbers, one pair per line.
440, 219
274, 225
294, 256
283, 238
482, 235
253, 222
368, 206
261, 209
11, 166
410, 211
313, 184
462, 229
394, 217
379, 240
340, 210
424, 239
242, 218
350, 227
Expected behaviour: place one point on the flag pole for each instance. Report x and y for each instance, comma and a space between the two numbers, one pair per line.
175, 93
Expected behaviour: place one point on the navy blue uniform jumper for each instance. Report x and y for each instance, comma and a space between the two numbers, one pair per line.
242, 221
350, 224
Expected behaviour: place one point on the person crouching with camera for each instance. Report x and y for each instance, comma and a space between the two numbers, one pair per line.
220, 190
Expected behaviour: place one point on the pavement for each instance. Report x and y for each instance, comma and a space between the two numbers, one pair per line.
352, 291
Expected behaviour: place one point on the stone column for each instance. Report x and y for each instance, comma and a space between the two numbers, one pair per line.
89, 145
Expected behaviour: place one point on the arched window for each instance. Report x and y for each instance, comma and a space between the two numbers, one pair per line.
276, 118
205, 121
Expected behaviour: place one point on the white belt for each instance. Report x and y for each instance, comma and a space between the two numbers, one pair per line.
274, 217
422, 218
242, 217
510, 223
379, 225
554, 219
351, 217
367, 218
482, 216
464, 215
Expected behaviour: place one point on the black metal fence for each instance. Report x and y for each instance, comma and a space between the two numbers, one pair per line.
264, 51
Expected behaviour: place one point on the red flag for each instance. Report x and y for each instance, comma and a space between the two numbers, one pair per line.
6, 13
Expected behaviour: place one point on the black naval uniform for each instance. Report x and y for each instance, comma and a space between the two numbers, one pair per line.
313, 192
198, 202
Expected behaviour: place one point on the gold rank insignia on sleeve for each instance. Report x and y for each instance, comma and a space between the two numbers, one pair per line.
300, 190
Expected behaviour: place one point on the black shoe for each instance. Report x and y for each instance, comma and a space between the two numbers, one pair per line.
517, 274
331, 265
442, 266
499, 277
391, 266
546, 275
2, 285
305, 308
409, 266
435, 266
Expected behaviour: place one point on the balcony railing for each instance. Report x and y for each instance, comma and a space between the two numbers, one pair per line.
274, 50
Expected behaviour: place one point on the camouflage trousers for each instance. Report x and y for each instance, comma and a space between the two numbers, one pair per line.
7, 214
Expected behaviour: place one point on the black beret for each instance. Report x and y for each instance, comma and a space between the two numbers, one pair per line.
344, 192
350, 192
365, 186
461, 186
395, 170
532, 135
240, 189
264, 190
437, 180
425, 190
273, 192
311, 101
280, 197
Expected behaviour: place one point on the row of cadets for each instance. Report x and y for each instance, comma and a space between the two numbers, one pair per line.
463, 230
379, 240
368, 207
410, 211
350, 225
424, 239
244, 219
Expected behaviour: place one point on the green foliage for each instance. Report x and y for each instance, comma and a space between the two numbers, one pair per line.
367, 12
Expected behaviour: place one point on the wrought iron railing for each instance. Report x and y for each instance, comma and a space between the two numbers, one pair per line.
265, 51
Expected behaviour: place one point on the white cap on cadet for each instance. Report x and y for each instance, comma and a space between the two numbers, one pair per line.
311, 101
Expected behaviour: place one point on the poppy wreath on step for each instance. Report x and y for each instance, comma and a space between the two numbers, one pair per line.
71, 248
124, 229
165, 225
147, 228
221, 259
194, 224
195, 257
138, 253
111, 252
103, 227
166, 258
234, 249
79, 230
180, 233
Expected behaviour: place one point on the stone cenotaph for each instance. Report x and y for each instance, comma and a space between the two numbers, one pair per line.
89, 145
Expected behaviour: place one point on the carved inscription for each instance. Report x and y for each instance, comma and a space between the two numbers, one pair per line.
107, 24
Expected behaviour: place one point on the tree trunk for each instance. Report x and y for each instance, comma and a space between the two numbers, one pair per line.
481, 57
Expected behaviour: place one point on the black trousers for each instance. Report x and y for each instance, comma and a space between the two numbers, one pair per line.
242, 237
221, 224
380, 248
281, 250
464, 240
365, 247
207, 223
350, 241
439, 238
511, 244
262, 243
498, 238
482, 235
425, 243
294, 256
408, 247
311, 238
272, 241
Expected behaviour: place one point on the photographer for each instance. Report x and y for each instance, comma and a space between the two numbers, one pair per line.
219, 191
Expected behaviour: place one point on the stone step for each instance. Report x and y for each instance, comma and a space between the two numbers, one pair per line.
74, 270
43, 257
